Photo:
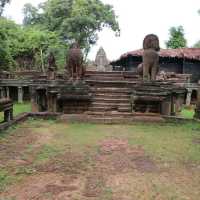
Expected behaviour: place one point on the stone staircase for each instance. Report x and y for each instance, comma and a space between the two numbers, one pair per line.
110, 102
111, 94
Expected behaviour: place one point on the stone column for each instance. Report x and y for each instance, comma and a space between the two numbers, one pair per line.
8, 115
166, 107
1, 93
20, 95
11, 114
34, 105
7, 92
197, 110
188, 99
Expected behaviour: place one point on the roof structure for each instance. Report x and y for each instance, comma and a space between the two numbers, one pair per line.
181, 53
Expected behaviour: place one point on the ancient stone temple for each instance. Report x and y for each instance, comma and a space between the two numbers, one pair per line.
101, 60
108, 95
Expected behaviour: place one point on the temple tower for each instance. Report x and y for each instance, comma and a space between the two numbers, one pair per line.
101, 60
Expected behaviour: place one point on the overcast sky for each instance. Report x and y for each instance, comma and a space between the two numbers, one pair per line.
137, 18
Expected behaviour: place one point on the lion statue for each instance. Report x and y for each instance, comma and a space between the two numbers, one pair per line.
150, 57
74, 62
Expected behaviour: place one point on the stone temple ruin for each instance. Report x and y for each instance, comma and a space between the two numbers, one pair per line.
101, 96
115, 94
101, 61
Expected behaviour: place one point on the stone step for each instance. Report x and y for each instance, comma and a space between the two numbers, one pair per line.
105, 82
110, 119
111, 113
110, 104
111, 100
111, 89
125, 73
129, 120
107, 108
111, 95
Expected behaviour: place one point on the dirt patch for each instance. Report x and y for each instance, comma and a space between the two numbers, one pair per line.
145, 164
68, 163
13, 147
94, 185
112, 145
42, 187
57, 189
116, 156
196, 140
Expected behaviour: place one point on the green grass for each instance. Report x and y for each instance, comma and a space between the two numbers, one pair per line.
47, 152
166, 142
169, 145
187, 113
5, 179
18, 108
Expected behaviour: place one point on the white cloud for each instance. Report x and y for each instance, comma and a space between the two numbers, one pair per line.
137, 18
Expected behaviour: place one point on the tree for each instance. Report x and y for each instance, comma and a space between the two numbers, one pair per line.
177, 38
78, 20
32, 15
27, 47
5, 57
2, 5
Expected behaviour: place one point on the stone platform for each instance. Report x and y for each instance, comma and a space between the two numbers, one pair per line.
109, 97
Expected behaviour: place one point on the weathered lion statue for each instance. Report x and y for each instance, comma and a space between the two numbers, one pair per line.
150, 65
74, 62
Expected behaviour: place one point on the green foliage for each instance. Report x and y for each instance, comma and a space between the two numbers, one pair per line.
177, 38
5, 57
78, 20
27, 47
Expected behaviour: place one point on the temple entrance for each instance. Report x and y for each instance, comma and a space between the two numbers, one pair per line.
42, 100
194, 97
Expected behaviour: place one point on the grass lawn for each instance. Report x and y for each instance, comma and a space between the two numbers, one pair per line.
18, 108
53, 160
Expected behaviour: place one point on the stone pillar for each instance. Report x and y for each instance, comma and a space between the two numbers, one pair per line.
1, 93
197, 110
20, 95
7, 92
188, 98
11, 114
34, 105
166, 107
8, 115
52, 102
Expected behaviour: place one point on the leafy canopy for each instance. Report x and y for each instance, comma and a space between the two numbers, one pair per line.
177, 38
78, 20
21, 47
